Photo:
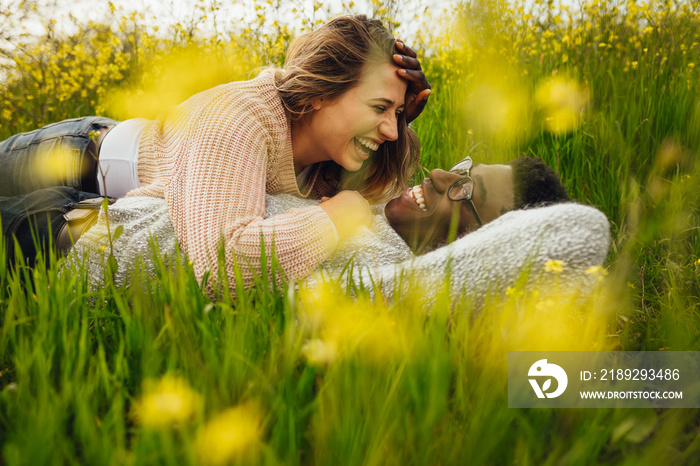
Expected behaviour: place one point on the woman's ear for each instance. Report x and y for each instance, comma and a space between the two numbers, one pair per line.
317, 104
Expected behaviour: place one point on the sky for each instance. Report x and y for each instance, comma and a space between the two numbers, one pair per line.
168, 12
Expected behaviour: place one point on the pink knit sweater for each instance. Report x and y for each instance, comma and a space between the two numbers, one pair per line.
213, 158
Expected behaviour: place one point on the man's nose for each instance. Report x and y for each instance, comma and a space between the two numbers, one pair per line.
442, 180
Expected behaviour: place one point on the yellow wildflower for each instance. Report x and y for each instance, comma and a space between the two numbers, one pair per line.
169, 401
597, 271
563, 102
340, 326
233, 434
555, 266
319, 352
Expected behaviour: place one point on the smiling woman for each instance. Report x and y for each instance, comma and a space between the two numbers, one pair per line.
332, 123
363, 118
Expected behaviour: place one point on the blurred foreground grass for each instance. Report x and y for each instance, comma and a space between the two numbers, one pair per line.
605, 92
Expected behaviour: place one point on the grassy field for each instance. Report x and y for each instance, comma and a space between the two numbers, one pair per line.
605, 92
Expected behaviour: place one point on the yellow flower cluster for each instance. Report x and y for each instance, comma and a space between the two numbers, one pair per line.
166, 402
234, 434
524, 65
555, 266
58, 76
339, 326
541, 319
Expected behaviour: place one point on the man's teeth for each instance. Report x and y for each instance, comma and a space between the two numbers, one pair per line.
417, 195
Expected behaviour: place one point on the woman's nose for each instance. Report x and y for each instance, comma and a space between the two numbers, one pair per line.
389, 128
442, 180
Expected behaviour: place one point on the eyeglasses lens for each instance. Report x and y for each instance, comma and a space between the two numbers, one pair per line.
462, 189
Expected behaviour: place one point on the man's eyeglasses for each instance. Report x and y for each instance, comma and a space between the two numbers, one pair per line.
463, 188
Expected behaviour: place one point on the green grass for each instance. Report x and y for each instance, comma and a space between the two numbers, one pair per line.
75, 361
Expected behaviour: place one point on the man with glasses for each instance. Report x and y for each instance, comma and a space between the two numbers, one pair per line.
450, 204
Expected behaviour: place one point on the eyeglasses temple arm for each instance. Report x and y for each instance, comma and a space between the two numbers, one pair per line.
476, 214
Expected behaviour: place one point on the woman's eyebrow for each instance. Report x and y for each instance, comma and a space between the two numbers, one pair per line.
384, 100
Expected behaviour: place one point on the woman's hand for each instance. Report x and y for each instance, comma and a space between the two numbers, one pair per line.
418, 86
347, 210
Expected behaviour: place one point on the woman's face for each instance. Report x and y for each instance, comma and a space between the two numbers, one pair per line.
427, 227
351, 127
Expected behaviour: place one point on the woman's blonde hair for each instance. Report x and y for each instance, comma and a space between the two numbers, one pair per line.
327, 62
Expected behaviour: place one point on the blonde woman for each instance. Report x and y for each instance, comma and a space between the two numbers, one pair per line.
332, 123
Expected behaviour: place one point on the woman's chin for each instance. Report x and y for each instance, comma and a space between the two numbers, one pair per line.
351, 166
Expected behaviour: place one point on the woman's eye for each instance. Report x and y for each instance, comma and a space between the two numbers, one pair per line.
380, 108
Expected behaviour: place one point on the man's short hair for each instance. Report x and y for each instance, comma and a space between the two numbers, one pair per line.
535, 184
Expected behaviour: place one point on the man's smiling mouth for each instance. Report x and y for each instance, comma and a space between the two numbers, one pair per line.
416, 193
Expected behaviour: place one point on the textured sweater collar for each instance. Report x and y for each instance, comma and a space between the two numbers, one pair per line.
285, 170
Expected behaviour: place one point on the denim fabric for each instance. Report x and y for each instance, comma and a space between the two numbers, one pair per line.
55, 155
35, 219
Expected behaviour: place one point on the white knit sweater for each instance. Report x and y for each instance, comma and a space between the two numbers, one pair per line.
484, 262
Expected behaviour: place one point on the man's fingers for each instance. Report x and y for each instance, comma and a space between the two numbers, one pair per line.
405, 49
415, 76
418, 85
416, 81
416, 104
407, 62
423, 95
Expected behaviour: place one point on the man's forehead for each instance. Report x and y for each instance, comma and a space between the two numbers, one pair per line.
497, 178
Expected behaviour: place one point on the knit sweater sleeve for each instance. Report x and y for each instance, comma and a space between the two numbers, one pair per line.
216, 196
510, 250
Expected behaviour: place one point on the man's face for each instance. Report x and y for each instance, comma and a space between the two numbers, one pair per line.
427, 227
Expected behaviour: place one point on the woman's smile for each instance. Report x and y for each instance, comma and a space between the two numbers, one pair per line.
365, 147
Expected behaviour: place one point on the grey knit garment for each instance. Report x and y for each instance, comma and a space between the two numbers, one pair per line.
147, 226
375, 246
482, 263
512, 250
